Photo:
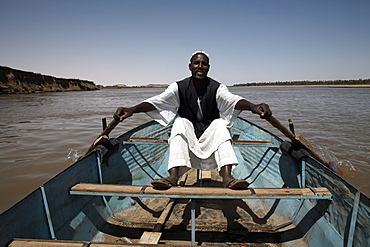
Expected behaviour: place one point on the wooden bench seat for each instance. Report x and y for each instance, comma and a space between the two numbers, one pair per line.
45, 243
194, 193
65, 243
165, 140
199, 192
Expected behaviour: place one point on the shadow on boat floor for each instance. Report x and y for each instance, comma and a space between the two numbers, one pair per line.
231, 221
233, 232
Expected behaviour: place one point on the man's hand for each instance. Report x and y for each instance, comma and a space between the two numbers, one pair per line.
263, 110
123, 113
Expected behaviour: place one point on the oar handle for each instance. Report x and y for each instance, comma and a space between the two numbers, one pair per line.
276, 123
110, 127
105, 132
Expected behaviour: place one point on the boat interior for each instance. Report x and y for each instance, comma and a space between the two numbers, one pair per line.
105, 199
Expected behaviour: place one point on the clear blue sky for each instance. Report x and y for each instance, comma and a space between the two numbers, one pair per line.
139, 42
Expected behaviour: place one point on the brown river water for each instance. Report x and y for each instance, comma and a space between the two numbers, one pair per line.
37, 130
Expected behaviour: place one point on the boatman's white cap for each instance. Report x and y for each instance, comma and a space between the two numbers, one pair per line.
199, 52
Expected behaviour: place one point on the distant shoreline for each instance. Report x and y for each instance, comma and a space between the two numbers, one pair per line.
260, 86
360, 83
328, 85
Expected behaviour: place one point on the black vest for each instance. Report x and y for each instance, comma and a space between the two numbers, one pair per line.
189, 105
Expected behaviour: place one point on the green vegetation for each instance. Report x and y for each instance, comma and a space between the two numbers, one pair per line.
121, 87
307, 83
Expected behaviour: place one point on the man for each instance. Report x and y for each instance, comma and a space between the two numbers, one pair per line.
199, 137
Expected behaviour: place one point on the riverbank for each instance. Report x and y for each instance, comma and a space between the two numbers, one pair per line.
13, 81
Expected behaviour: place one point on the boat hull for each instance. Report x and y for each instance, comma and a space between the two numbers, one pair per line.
52, 212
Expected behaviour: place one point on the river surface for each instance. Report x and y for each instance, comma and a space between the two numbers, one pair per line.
37, 130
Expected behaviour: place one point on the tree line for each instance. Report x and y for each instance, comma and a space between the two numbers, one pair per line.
308, 83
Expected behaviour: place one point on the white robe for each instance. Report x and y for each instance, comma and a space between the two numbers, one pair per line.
213, 149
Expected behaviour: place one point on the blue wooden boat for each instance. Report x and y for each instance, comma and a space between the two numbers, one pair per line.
105, 199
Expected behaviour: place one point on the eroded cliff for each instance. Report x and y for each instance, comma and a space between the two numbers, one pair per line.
18, 81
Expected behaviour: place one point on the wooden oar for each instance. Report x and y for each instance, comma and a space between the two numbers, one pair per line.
154, 236
299, 139
103, 135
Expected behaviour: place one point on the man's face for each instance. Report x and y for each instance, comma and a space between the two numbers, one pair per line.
199, 66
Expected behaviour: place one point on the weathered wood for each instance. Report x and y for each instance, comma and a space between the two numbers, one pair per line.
162, 219
205, 175
165, 139
276, 123
154, 236
105, 132
299, 139
149, 139
100, 139
44, 243
251, 142
150, 238
193, 191
63, 243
